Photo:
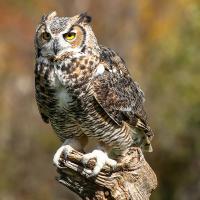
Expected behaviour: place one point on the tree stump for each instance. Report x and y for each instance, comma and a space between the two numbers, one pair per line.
132, 179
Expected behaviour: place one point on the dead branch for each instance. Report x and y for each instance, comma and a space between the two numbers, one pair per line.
132, 179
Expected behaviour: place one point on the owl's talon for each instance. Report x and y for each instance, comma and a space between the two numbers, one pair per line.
101, 160
65, 150
87, 172
86, 158
112, 163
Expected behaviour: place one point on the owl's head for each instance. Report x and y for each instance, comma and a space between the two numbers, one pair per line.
56, 36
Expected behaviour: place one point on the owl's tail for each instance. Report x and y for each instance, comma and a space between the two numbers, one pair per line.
142, 136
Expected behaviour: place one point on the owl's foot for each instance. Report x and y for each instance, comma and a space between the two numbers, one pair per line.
101, 160
65, 150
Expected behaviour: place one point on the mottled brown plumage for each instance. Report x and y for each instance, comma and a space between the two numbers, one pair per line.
86, 92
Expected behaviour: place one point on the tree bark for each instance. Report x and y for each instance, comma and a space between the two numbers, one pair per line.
132, 179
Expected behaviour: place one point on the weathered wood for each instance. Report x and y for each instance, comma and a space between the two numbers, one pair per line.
132, 179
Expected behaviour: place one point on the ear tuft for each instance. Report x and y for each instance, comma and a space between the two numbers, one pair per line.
84, 18
49, 16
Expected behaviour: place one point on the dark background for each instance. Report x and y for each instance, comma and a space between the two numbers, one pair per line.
160, 41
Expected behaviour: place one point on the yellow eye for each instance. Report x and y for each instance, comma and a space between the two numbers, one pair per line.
69, 36
46, 36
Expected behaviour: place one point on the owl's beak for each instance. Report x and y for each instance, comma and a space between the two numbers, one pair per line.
56, 47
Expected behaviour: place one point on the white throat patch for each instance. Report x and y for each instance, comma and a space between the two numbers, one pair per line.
64, 97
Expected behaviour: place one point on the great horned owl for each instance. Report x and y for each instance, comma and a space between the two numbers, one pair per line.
86, 93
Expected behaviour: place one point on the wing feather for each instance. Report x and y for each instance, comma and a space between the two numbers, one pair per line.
116, 92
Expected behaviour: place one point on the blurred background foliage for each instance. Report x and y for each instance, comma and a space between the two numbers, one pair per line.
159, 41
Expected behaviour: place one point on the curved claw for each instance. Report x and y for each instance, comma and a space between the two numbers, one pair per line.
101, 160
66, 150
